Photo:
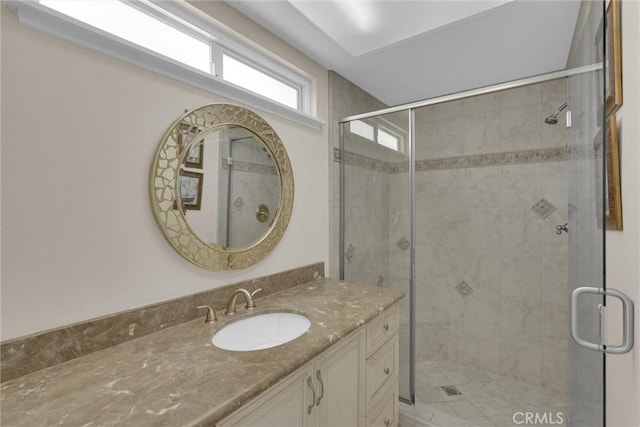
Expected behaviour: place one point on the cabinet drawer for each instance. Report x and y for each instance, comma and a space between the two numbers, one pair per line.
387, 416
381, 368
381, 328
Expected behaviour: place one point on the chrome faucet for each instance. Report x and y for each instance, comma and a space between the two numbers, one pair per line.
231, 305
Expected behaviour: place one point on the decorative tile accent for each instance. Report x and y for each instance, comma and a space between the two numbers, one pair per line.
238, 203
451, 390
464, 289
543, 208
461, 162
380, 281
403, 243
359, 160
348, 254
240, 166
493, 159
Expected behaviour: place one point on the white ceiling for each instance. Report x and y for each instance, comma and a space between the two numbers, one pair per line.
403, 51
364, 26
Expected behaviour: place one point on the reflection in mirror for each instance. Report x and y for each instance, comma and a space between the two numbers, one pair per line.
229, 186
221, 187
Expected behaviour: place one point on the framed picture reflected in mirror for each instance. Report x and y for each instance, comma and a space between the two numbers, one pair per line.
190, 184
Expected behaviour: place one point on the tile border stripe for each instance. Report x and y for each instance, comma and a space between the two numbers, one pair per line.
460, 162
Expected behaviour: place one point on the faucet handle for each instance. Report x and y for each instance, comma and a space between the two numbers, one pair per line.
250, 302
211, 314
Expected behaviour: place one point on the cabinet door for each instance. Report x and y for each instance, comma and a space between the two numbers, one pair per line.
287, 404
339, 382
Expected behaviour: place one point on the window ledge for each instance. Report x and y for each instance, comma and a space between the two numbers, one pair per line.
33, 15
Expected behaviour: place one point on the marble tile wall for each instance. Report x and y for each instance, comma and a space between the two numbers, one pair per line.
254, 181
492, 227
345, 99
491, 273
249, 190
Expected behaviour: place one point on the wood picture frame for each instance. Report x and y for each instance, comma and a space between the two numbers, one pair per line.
614, 195
190, 185
613, 58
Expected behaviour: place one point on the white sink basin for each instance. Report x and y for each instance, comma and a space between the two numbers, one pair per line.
261, 331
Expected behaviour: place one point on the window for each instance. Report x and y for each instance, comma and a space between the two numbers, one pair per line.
363, 129
248, 77
379, 133
388, 140
131, 24
177, 40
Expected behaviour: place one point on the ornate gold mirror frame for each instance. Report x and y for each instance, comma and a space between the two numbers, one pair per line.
164, 195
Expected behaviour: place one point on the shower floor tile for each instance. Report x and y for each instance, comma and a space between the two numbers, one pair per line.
487, 399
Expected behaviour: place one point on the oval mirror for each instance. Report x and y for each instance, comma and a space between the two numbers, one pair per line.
222, 187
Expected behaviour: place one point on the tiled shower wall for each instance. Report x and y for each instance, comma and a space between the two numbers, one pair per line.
347, 99
254, 182
491, 272
488, 259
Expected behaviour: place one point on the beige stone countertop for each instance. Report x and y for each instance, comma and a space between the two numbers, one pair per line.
177, 377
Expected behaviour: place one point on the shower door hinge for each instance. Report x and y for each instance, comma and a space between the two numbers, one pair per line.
568, 119
229, 161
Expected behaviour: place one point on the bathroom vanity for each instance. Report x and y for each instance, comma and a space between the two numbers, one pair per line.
342, 371
353, 383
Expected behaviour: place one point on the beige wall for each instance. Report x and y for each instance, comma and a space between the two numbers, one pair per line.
623, 247
79, 130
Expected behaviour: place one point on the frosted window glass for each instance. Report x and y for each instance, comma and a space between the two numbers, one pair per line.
361, 128
245, 76
387, 140
137, 27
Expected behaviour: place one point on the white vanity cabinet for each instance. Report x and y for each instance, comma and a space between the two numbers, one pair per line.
285, 404
353, 383
339, 383
382, 364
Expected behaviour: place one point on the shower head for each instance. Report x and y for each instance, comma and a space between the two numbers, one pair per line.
552, 119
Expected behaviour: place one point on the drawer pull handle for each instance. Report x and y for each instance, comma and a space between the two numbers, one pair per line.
387, 423
313, 399
386, 327
386, 371
322, 389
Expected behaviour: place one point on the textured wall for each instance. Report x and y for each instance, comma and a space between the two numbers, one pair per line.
488, 259
491, 273
345, 99
79, 131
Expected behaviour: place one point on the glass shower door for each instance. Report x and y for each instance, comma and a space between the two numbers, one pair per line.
376, 241
586, 183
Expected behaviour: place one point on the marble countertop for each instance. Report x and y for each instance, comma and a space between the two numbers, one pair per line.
177, 377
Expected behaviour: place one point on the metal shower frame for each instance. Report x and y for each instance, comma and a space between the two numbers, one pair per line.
411, 143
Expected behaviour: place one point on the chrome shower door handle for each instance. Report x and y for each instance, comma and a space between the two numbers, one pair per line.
627, 321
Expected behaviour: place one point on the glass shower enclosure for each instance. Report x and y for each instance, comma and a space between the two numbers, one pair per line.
486, 209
